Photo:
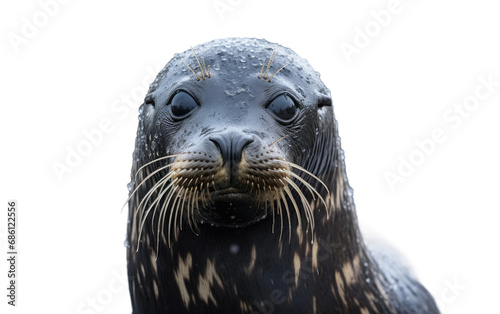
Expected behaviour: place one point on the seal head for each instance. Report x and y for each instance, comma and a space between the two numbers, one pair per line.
239, 199
228, 129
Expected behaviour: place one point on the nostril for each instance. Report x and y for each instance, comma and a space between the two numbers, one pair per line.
231, 146
223, 145
241, 144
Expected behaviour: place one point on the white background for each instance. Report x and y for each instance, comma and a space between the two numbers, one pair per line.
79, 66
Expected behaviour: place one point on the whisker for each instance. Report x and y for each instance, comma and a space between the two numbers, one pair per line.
307, 208
161, 217
188, 209
280, 212
144, 181
291, 164
142, 220
271, 60
161, 183
283, 137
199, 64
205, 67
157, 201
262, 69
147, 196
197, 77
272, 206
269, 79
196, 199
184, 196
301, 180
311, 189
290, 196
258, 195
179, 197
173, 209
288, 215
155, 160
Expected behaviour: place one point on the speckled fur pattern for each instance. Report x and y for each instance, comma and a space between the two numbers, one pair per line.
216, 264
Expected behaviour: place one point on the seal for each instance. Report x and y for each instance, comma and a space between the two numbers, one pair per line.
239, 200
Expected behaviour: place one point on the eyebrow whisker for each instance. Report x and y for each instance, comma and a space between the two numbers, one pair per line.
271, 60
269, 79
199, 64
197, 77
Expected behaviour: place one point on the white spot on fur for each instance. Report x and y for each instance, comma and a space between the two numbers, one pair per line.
296, 265
371, 299
340, 287
300, 235
315, 254
182, 274
253, 257
350, 270
206, 283
245, 308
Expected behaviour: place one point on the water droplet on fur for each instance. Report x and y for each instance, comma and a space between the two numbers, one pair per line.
368, 280
234, 249
126, 243
130, 186
317, 131
233, 217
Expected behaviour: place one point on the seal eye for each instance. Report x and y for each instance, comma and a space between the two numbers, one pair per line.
283, 107
182, 103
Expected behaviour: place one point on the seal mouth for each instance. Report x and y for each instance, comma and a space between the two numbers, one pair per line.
227, 191
234, 202
230, 194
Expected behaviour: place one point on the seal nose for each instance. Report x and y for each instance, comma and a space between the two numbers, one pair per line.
231, 146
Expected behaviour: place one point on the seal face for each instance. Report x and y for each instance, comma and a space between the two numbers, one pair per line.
239, 201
